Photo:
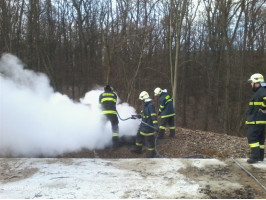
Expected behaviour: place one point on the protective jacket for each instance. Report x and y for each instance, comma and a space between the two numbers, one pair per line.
257, 102
149, 117
107, 101
166, 108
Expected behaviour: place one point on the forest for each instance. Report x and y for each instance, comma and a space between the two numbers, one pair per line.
201, 51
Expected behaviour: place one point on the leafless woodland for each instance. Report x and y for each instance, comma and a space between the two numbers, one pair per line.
202, 51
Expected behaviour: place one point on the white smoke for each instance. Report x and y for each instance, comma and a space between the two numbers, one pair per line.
35, 120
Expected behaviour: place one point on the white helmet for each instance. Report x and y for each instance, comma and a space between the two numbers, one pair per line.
256, 78
157, 91
143, 95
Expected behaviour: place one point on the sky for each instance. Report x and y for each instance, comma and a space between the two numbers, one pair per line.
35, 120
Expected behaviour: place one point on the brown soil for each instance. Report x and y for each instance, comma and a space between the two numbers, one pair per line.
186, 143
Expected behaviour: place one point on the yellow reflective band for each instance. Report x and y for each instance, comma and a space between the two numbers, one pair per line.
109, 112
160, 110
155, 122
153, 114
256, 122
164, 116
255, 103
162, 127
168, 101
147, 134
115, 134
108, 94
253, 145
161, 106
247, 122
108, 99
167, 97
263, 105
172, 127
151, 149
138, 144
261, 146
264, 98
260, 122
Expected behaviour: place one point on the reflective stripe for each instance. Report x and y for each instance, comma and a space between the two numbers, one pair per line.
138, 144
256, 122
151, 149
108, 94
172, 127
115, 134
168, 101
155, 122
164, 116
255, 103
247, 122
147, 134
162, 127
263, 105
261, 146
153, 114
161, 106
108, 99
253, 145
109, 112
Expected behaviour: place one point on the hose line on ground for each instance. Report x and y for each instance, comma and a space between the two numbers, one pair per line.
251, 175
156, 138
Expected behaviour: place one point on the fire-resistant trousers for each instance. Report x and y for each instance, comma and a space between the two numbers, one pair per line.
114, 122
167, 121
256, 139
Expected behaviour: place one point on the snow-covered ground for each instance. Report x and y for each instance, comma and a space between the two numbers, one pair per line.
108, 178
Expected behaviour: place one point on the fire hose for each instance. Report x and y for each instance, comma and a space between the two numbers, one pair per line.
156, 136
251, 175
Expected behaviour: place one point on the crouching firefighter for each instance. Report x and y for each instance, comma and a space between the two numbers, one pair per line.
256, 118
148, 126
107, 102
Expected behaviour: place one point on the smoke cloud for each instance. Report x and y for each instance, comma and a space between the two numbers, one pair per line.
35, 120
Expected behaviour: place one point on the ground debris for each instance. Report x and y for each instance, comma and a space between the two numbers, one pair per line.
186, 142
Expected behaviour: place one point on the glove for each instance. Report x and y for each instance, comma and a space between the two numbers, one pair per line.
135, 116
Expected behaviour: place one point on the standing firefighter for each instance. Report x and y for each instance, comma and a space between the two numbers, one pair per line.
146, 131
256, 118
166, 111
107, 101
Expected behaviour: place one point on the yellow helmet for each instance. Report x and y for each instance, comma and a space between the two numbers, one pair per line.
256, 78
157, 91
143, 95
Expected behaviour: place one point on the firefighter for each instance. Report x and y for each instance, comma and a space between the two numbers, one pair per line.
256, 118
146, 132
166, 111
107, 102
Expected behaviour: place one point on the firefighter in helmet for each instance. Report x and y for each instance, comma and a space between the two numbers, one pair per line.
147, 128
166, 111
107, 101
256, 118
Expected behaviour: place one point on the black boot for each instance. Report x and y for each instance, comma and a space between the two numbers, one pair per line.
172, 133
255, 155
261, 154
116, 143
160, 136
151, 154
136, 149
